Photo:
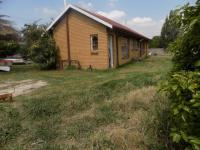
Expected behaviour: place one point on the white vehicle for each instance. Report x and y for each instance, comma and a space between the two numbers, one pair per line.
5, 68
5, 65
17, 60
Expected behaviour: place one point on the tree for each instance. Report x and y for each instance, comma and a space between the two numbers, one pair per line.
155, 42
171, 28
40, 46
8, 48
183, 86
7, 31
186, 48
8, 37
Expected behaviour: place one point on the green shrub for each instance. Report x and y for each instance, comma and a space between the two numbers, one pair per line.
44, 52
184, 87
41, 46
184, 92
186, 47
8, 48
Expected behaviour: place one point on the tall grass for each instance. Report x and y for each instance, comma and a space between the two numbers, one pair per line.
113, 109
10, 124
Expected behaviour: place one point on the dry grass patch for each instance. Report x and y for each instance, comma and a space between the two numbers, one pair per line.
137, 132
137, 99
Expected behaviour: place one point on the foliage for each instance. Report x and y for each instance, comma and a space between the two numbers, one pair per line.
6, 28
40, 46
184, 87
186, 48
155, 42
8, 37
171, 28
8, 48
184, 93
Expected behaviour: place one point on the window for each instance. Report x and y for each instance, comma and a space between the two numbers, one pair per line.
94, 42
125, 48
125, 52
142, 48
136, 44
131, 44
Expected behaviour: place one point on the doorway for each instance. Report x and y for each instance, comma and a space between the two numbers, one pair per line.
110, 48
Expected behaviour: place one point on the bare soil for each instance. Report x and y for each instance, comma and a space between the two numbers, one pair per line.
22, 87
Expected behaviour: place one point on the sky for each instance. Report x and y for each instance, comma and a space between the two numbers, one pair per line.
144, 16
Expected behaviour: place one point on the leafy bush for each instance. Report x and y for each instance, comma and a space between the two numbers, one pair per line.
184, 87
186, 48
184, 93
44, 52
155, 42
8, 48
41, 46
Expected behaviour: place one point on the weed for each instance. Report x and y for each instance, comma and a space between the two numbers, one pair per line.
81, 128
100, 142
42, 107
47, 130
50, 147
10, 124
106, 115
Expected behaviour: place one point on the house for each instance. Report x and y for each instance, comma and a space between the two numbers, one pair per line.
94, 41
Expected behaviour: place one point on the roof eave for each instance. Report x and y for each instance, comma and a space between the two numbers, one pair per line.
80, 11
131, 33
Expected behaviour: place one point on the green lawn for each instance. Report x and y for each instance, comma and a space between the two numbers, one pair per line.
80, 109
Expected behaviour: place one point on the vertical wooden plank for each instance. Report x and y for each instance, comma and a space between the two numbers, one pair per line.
68, 40
117, 50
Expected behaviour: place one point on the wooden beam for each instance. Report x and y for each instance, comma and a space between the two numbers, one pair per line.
117, 51
128, 47
68, 40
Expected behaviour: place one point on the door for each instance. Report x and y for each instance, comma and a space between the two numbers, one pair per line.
111, 61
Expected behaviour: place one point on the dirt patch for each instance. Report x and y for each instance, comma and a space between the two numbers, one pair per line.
21, 87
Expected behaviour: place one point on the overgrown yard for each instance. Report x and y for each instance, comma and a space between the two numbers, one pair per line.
114, 109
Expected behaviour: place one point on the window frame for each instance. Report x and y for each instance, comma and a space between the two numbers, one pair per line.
91, 43
136, 43
125, 49
131, 44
